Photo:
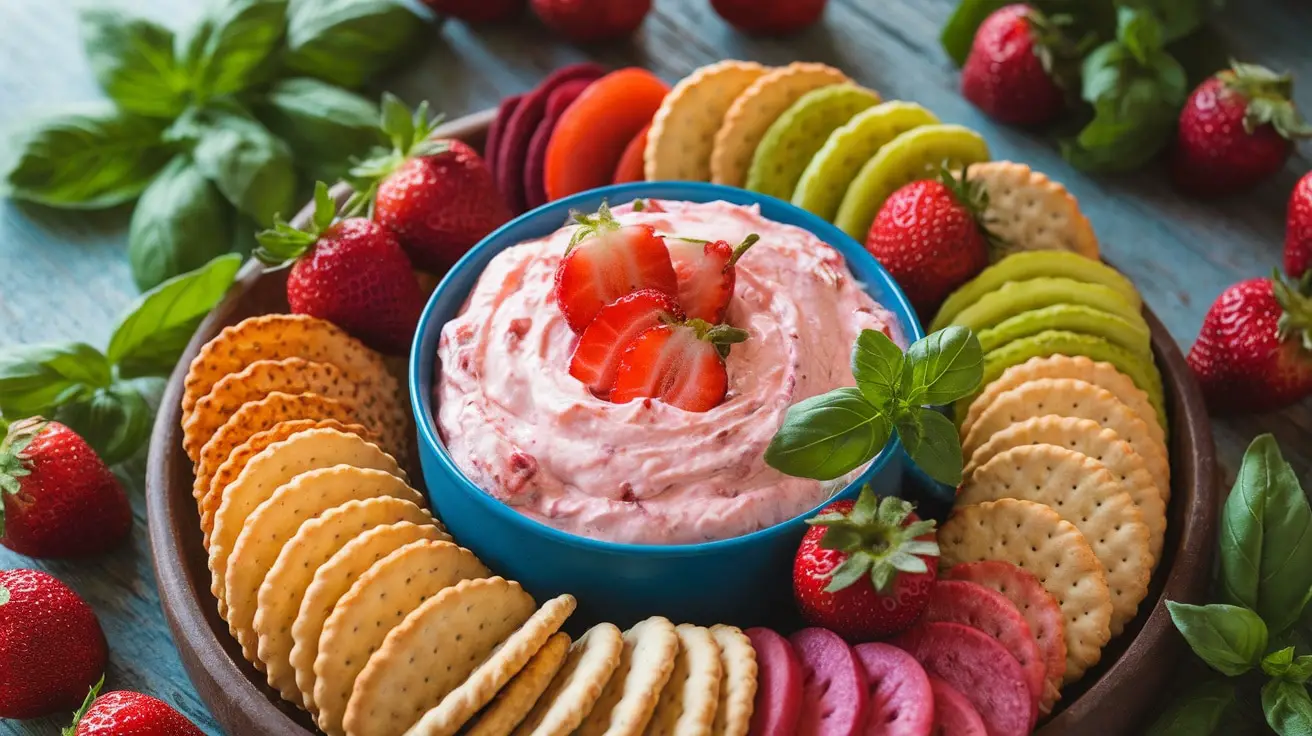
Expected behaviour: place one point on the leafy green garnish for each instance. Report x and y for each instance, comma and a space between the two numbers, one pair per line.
1231, 639
1198, 712
180, 223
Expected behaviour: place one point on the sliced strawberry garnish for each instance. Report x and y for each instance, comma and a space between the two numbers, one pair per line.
680, 364
605, 262
706, 275
597, 356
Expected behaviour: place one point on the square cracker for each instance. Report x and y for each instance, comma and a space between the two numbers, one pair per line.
733, 715
683, 129
574, 691
512, 705
690, 697
625, 707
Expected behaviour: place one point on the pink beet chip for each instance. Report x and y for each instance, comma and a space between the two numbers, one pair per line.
535, 164
899, 702
834, 690
778, 684
953, 714
980, 668
491, 149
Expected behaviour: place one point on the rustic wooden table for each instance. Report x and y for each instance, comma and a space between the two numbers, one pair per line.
63, 276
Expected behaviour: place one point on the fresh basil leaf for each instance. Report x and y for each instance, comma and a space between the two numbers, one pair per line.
942, 367
88, 160
132, 59
828, 436
250, 166
325, 126
1283, 664
1138, 32
347, 42
180, 224
1266, 538
115, 421
1288, 708
1103, 71
37, 378
229, 49
1197, 712
877, 367
153, 333
959, 32
1177, 18
932, 443
1230, 639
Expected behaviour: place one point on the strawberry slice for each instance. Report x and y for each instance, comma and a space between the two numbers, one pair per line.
706, 274
680, 364
606, 261
597, 355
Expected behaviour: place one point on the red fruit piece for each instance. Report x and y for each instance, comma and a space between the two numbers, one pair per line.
495, 131
778, 684
877, 580
979, 668
535, 189
586, 21
59, 497
123, 713
1237, 128
900, 702
591, 136
770, 17
597, 355
1298, 229
1010, 72
707, 273
51, 647
680, 364
953, 714
606, 261
630, 167
478, 11
834, 688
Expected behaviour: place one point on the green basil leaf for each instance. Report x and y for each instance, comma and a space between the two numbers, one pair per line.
325, 126
1288, 708
1266, 538
942, 367
180, 224
959, 32
90, 160
932, 443
877, 367
229, 50
1230, 639
347, 42
1103, 71
1177, 18
149, 339
34, 379
1197, 712
1282, 663
828, 436
250, 166
115, 421
132, 59
1132, 123
1139, 32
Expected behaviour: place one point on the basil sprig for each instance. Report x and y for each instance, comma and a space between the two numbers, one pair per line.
830, 435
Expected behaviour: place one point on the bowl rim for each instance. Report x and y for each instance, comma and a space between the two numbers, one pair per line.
422, 370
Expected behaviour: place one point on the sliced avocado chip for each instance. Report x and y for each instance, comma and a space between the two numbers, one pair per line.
1072, 318
1015, 297
1029, 265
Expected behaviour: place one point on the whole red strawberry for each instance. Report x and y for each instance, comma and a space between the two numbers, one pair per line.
1011, 72
1254, 352
352, 273
1236, 129
478, 11
770, 17
587, 21
51, 647
60, 499
1298, 229
929, 237
124, 713
865, 568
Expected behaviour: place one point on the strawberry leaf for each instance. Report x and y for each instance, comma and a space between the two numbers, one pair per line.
4, 591
849, 571
282, 244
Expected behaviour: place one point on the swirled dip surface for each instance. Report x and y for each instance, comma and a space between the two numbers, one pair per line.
530, 434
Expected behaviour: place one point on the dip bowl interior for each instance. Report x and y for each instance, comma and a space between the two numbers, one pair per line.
743, 580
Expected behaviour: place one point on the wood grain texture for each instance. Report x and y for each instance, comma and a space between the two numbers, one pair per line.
63, 276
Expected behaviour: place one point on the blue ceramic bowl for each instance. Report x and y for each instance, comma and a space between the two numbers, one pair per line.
745, 580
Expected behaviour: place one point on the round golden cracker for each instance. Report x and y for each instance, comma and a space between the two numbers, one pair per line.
1087, 495
469, 697
1080, 368
330, 583
208, 467
752, 112
1029, 211
1034, 537
432, 651
689, 699
626, 705
733, 715
511, 706
575, 690
1069, 397
278, 336
378, 601
269, 470
683, 130
1090, 438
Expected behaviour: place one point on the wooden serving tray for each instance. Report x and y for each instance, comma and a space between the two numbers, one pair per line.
1114, 697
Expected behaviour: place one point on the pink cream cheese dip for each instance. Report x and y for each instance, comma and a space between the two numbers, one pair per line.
527, 432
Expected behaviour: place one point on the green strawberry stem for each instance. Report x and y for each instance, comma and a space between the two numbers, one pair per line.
743, 247
877, 541
1296, 305
12, 460
594, 225
1270, 99
282, 244
1059, 54
86, 705
409, 133
972, 195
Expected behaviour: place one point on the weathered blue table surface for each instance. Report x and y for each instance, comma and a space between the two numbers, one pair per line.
64, 276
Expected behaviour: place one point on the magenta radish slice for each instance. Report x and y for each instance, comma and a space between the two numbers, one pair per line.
491, 149
953, 714
900, 702
778, 684
535, 165
834, 690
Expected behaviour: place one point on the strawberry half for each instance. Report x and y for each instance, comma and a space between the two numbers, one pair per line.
597, 355
707, 274
606, 261
680, 364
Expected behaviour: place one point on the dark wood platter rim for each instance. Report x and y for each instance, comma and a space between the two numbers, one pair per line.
1119, 693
